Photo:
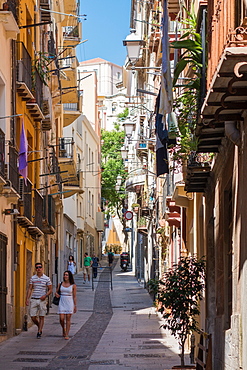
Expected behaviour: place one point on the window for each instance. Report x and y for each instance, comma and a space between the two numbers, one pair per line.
92, 206
89, 203
68, 240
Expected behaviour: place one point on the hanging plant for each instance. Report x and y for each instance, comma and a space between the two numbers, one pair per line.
41, 63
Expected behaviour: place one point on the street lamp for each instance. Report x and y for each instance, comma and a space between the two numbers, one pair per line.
124, 152
133, 45
128, 128
118, 182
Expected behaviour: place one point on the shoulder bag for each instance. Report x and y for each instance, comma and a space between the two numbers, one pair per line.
56, 299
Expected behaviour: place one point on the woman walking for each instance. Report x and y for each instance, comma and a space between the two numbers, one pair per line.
67, 303
71, 264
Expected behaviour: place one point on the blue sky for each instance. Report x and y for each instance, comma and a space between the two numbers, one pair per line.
107, 25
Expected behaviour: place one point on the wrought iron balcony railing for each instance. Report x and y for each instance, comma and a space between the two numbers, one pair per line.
24, 66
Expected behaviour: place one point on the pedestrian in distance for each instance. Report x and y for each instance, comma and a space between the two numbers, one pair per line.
87, 266
110, 257
71, 265
40, 288
67, 302
95, 264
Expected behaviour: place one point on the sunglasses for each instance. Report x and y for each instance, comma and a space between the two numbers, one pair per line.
38, 267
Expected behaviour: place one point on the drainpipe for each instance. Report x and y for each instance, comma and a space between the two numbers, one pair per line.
232, 132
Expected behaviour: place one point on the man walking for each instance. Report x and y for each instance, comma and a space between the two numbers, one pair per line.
110, 257
95, 264
87, 266
40, 288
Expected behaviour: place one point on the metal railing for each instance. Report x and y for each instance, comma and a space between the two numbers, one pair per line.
27, 200
38, 208
71, 106
38, 87
66, 146
24, 66
2, 151
13, 174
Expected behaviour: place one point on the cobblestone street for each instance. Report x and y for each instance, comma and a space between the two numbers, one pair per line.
113, 329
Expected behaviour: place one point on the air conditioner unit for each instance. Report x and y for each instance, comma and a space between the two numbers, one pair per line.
21, 189
20, 71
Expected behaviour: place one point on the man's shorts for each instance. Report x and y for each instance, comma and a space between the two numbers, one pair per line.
37, 307
86, 270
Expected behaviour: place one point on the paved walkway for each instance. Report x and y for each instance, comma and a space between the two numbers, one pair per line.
112, 330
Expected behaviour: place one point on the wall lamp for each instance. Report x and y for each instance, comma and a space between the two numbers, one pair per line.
133, 45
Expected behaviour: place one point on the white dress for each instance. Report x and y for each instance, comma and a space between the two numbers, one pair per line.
66, 303
71, 267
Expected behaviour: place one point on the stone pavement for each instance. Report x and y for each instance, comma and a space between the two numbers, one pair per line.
112, 330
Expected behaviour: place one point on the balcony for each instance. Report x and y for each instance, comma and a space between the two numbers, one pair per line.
198, 173
45, 16
35, 229
71, 112
67, 159
49, 215
227, 94
35, 105
72, 35
173, 6
70, 7
7, 18
74, 185
173, 215
141, 149
2, 158
25, 203
24, 73
46, 123
135, 180
142, 225
11, 188
69, 84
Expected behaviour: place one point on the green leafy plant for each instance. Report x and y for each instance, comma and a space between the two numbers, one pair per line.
190, 44
180, 293
41, 63
112, 166
187, 94
153, 287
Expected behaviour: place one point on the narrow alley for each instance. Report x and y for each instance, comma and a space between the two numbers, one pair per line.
113, 329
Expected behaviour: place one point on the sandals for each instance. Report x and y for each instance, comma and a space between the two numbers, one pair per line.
66, 337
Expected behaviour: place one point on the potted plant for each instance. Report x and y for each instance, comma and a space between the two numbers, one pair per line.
180, 292
135, 207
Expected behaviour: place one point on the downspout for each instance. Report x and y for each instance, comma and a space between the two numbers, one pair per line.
232, 132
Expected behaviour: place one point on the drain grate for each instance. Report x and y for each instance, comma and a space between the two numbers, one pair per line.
132, 302
104, 362
31, 360
37, 353
139, 355
71, 357
153, 346
118, 306
152, 335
